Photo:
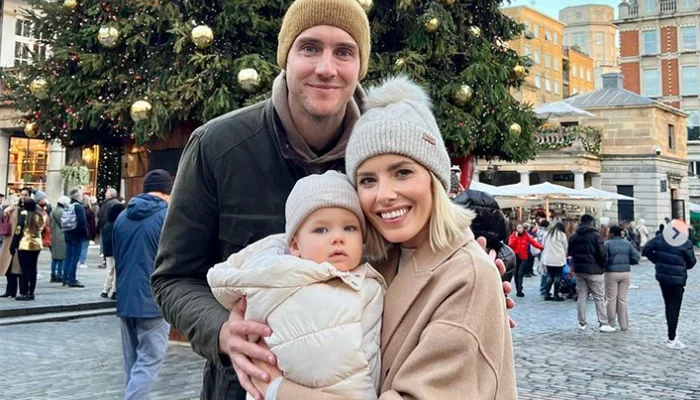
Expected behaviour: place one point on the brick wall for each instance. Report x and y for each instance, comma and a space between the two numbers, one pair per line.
669, 77
630, 73
669, 39
629, 43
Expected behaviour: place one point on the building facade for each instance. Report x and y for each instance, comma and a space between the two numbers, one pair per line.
542, 43
590, 29
660, 58
578, 72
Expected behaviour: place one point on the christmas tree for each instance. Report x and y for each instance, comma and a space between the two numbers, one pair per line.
135, 70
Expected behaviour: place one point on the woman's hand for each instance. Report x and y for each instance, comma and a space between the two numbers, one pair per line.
501, 270
271, 370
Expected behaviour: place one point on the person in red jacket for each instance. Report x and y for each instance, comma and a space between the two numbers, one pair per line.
519, 241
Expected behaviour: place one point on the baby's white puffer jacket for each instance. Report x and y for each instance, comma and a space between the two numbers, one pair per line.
326, 324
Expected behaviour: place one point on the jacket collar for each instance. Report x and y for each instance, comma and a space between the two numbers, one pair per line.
406, 284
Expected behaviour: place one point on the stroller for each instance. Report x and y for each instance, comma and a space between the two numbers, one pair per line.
567, 285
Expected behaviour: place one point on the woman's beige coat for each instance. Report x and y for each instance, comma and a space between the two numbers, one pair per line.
5, 256
445, 331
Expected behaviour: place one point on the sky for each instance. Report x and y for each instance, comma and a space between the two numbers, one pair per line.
552, 7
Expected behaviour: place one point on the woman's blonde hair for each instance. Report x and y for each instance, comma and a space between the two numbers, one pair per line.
448, 221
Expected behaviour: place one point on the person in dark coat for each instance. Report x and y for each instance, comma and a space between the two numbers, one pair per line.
74, 239
672, 264
111, 198
108, 250
588, 262
135, 239
621, 254
491, 224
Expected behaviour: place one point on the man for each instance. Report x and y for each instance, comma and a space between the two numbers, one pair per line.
135, 238
110, 200
588, 258
74, 226
303, 129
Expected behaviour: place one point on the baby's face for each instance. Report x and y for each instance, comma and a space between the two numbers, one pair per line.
330, 234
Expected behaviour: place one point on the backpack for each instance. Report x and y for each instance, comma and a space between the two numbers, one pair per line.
69, 220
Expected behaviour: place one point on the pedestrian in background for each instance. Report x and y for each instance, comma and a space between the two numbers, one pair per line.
621, 254
74, 225
91, 226
588, 262
672, 264
58, 240
31, 223
111, 198
539, 265
520, 241
108, 250
643, 233
9, 264
554, 258
135, 238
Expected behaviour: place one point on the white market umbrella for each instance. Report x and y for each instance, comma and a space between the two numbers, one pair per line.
483, 187
693, 207
560, 109
605, 195
546, 192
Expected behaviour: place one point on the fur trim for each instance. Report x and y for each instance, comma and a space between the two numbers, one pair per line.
394, 90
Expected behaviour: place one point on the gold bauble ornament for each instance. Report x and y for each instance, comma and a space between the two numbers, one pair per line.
366, 4
519, 70
464, 94
400, 62
202, 36
249, 79
432, 25
448, 3
108, 36
31, 130
39, 88
475, 31
140, 110
70, 4
515, 129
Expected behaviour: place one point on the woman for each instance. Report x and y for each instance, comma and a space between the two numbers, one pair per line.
643, 232
91, 230
31, 223
554, 259
621, 254
9, 265
58, 246
520, 241
108, 251
445, 332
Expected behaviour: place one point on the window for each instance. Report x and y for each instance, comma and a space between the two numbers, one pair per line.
548, 61
625, 208
649, 5
556, 64
537, 56
578, 39
588, 75
671, 132
23, 28
537, 31
526, 51
548, 85
599, 38
21, 54
649, 42
689, 81
547, 34
556, 37
693, 125
651, 85
556, 87
527, 25
538, 82
574, 70
687, 3
689, 37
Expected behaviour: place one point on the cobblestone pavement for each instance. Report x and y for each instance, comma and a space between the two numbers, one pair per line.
81, 359
53, 294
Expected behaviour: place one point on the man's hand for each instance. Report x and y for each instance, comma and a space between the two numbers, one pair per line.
233, 340
501, 269
271, 370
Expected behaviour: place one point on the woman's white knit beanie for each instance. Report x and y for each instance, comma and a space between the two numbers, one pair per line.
398, 120
314, 192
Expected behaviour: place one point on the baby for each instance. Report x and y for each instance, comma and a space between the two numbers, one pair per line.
323, 304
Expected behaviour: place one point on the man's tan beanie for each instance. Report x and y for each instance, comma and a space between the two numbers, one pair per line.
347, 15
314, 192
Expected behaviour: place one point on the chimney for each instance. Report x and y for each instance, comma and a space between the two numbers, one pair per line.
612, 80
